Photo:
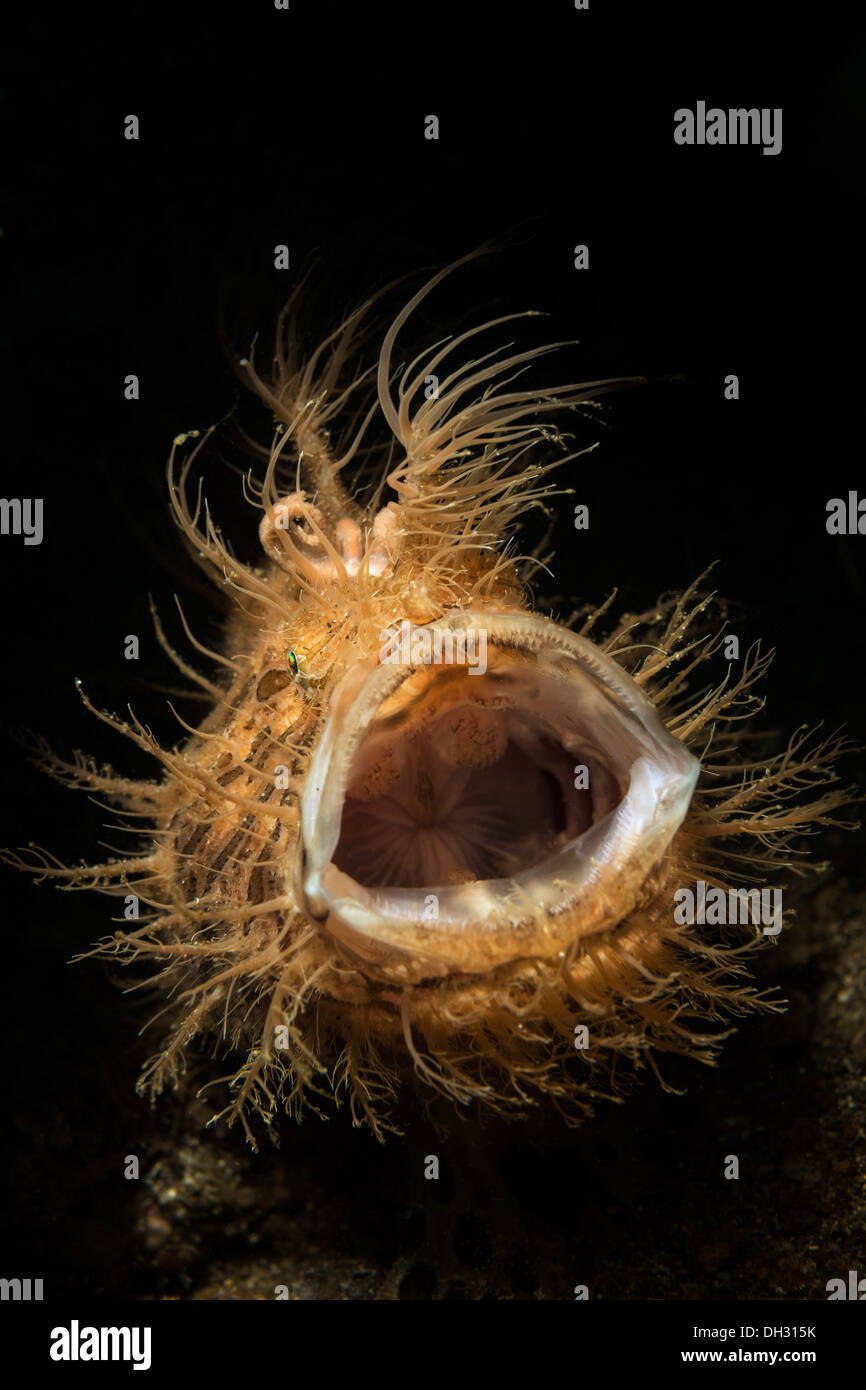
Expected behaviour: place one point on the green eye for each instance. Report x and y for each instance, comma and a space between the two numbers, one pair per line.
293, 663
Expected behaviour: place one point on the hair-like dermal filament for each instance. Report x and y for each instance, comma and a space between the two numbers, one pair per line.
353, 872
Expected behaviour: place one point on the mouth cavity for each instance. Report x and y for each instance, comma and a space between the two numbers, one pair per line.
465, 783
467, 815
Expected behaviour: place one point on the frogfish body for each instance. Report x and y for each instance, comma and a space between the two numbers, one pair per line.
425, 835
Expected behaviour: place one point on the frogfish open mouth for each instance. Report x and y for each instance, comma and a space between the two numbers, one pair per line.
426, 836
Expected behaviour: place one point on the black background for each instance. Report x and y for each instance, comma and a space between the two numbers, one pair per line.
260, 127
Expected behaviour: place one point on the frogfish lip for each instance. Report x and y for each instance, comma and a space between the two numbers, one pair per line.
459, 814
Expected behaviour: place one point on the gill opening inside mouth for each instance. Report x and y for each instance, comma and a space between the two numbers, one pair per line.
467, 780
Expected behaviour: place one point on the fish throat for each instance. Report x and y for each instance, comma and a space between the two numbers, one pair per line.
468, 781
519, 796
